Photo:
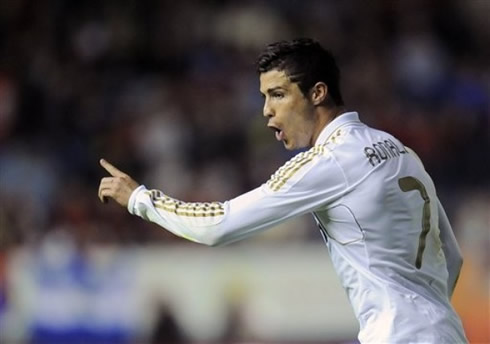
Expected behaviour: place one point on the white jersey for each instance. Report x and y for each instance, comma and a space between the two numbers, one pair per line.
377, 210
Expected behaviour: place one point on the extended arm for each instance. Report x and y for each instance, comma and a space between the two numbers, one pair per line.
307, 182
451, 250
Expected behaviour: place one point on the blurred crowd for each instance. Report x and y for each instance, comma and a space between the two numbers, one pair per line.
167, 91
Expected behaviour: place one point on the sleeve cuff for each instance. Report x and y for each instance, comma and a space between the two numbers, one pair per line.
133, 198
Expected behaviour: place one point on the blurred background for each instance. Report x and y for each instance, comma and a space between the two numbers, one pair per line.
167, 91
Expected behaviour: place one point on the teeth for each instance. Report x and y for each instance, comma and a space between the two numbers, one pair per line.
278, 132
279, 135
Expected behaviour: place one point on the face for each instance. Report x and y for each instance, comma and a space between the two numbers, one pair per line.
289, 113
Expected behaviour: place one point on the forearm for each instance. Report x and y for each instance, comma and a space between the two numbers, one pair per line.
180, 218
212, 223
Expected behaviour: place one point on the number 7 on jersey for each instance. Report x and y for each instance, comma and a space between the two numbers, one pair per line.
409, 184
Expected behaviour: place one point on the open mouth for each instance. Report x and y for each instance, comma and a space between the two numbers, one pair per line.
279, 133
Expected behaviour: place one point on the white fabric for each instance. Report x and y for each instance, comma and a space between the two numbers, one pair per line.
350, 182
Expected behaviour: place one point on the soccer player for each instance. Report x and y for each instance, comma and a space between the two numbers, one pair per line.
377, 209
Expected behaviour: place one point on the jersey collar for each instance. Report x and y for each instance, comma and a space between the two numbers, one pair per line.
342, 119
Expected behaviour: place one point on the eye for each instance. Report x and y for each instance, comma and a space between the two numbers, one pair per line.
278, 95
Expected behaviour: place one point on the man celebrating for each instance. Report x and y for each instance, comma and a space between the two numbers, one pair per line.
387, 233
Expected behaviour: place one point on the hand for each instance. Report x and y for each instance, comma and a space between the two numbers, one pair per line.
118, 187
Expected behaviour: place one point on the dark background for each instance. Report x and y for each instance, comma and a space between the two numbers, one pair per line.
167, 91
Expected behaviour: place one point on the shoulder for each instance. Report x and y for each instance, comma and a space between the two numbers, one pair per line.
299, 165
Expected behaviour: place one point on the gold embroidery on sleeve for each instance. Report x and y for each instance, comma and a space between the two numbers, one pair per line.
191, 209
288, 170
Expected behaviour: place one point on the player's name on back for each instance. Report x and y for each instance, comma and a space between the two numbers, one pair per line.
383, 150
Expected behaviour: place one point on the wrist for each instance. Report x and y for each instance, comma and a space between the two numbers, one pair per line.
134, 197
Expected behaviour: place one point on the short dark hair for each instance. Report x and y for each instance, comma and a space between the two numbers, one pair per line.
305, 62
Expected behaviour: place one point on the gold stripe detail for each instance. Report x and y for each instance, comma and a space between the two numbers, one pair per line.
283, 171
279, 179
335, 137
194, 209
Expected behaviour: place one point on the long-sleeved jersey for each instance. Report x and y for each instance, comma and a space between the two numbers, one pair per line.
378, 213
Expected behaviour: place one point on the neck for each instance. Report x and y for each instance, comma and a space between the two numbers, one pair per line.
325, 116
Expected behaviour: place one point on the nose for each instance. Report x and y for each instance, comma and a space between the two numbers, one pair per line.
267, 111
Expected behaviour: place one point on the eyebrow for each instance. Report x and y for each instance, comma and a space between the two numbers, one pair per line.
272, 89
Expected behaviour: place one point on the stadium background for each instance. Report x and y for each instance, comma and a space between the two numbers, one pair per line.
167, 91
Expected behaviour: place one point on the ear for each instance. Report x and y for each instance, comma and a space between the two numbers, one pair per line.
318, 93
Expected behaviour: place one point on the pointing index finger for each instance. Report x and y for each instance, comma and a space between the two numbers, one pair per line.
111, 169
